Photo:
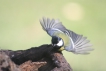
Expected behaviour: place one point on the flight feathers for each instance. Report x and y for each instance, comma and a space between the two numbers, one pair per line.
48, 24
78, 44
81, 44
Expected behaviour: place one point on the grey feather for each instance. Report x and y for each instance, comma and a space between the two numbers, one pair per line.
81, 52
81, 44
51, 25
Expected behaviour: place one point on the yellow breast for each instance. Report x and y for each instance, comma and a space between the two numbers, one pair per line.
64, 37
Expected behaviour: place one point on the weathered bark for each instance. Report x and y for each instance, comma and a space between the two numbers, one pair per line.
42, 58
31, 66
6, 64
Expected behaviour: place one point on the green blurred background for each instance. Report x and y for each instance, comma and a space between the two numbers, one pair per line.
20, 27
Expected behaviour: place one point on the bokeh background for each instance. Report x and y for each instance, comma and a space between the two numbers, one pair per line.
20, 27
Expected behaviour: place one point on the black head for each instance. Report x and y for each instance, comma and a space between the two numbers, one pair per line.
57, 41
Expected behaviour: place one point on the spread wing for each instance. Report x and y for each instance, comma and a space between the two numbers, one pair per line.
78, 44
51, 26
81, 44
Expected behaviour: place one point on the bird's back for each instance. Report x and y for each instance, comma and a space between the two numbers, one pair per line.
64, 37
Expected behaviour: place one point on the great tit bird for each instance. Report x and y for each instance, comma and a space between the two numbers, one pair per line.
65, 39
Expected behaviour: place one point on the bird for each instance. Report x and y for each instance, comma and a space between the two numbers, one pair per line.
64, 38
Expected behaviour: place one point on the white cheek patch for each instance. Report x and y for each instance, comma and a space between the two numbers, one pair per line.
60, 43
